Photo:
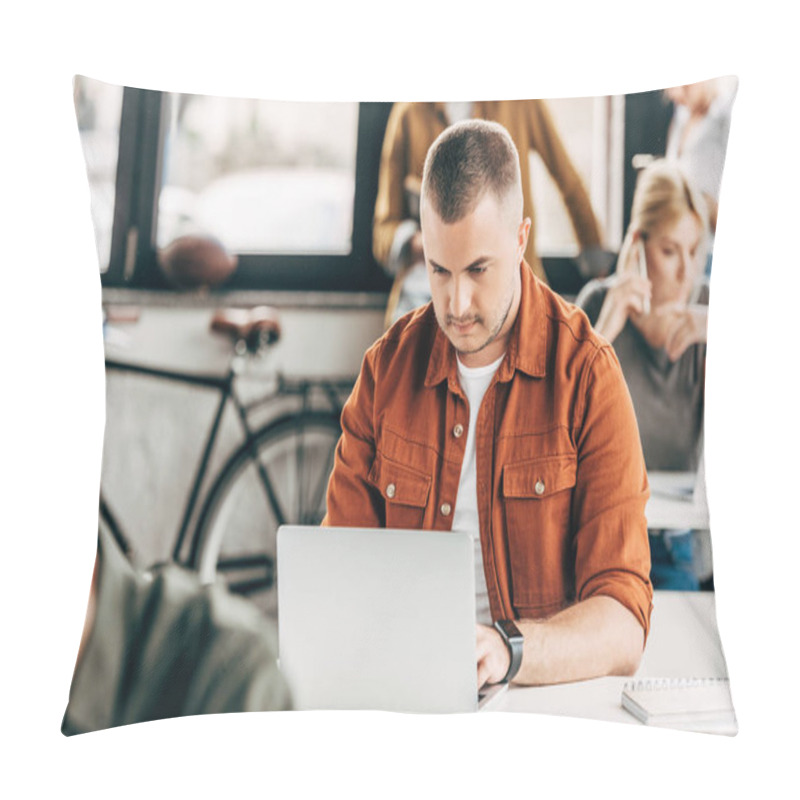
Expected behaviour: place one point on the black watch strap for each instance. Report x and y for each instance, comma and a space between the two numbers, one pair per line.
513, 639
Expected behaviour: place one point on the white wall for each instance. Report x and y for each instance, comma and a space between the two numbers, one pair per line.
155, 429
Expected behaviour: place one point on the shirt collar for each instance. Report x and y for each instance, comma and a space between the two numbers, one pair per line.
525, 353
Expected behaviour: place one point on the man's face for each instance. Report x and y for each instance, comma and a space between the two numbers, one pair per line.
474, 271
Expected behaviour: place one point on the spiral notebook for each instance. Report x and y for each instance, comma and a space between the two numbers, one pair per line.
696, 704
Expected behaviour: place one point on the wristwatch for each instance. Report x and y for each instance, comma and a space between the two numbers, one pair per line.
513, 639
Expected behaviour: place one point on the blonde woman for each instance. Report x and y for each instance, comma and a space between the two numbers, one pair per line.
654, 310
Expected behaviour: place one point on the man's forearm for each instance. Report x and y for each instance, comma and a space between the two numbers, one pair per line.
595, 637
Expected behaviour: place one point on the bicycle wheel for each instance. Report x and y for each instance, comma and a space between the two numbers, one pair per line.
109, 520
279, 477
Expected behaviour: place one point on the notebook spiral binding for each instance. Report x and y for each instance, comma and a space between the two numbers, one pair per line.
648, 684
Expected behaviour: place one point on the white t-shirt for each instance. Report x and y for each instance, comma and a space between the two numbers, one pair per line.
474, 381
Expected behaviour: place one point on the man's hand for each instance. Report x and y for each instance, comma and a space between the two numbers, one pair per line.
492, 654
627, 296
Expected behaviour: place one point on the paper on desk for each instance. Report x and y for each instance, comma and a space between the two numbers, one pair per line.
697, 704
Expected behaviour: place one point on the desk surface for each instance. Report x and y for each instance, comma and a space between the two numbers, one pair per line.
677, 500
683, 642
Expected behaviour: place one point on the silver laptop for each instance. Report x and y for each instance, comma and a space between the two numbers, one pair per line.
378, 619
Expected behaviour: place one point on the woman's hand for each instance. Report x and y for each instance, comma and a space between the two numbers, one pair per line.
626, 296
687, 325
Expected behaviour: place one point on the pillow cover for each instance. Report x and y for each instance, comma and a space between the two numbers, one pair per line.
201, 203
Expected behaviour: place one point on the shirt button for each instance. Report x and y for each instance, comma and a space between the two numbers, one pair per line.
458, 430
539, 488
445, 509
390, 490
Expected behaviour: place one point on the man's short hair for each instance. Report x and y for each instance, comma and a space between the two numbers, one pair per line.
467, 160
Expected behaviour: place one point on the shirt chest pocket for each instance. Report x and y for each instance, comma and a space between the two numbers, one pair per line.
405, 492
537, 502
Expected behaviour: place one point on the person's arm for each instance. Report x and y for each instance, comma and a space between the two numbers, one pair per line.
686, 325
626, 296
596, 637
611, 302
713, 210
390, 205
547, 142
351, 498
604, 631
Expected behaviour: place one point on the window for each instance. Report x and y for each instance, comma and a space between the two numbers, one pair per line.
98, 107
591, 129
260, 176
290, 186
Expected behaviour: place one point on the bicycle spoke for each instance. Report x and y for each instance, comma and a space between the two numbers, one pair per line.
268, 484
318, 500
301, 457
278, 477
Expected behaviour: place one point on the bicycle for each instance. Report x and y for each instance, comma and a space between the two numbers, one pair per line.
277, 475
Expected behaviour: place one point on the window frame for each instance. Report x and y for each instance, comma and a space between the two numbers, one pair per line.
133, 257
647, 119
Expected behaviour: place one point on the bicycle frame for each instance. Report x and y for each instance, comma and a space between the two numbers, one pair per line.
225, 385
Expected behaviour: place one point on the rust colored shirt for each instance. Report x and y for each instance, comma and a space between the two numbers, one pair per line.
560, 474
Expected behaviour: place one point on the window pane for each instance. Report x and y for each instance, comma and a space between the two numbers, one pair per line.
98, 107
261, 176
591, 131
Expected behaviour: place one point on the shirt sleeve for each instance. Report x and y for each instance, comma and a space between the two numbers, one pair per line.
612, 553
547, 142
352, 500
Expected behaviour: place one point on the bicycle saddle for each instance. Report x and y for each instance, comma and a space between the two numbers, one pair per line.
259, 326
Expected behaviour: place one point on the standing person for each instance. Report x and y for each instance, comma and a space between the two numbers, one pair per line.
410, 131
698, 138
496, 409
654, 310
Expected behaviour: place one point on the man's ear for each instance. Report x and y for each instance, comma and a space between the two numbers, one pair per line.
523, 232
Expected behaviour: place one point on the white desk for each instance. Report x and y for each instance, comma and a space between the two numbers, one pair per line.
683, 642
675, 501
